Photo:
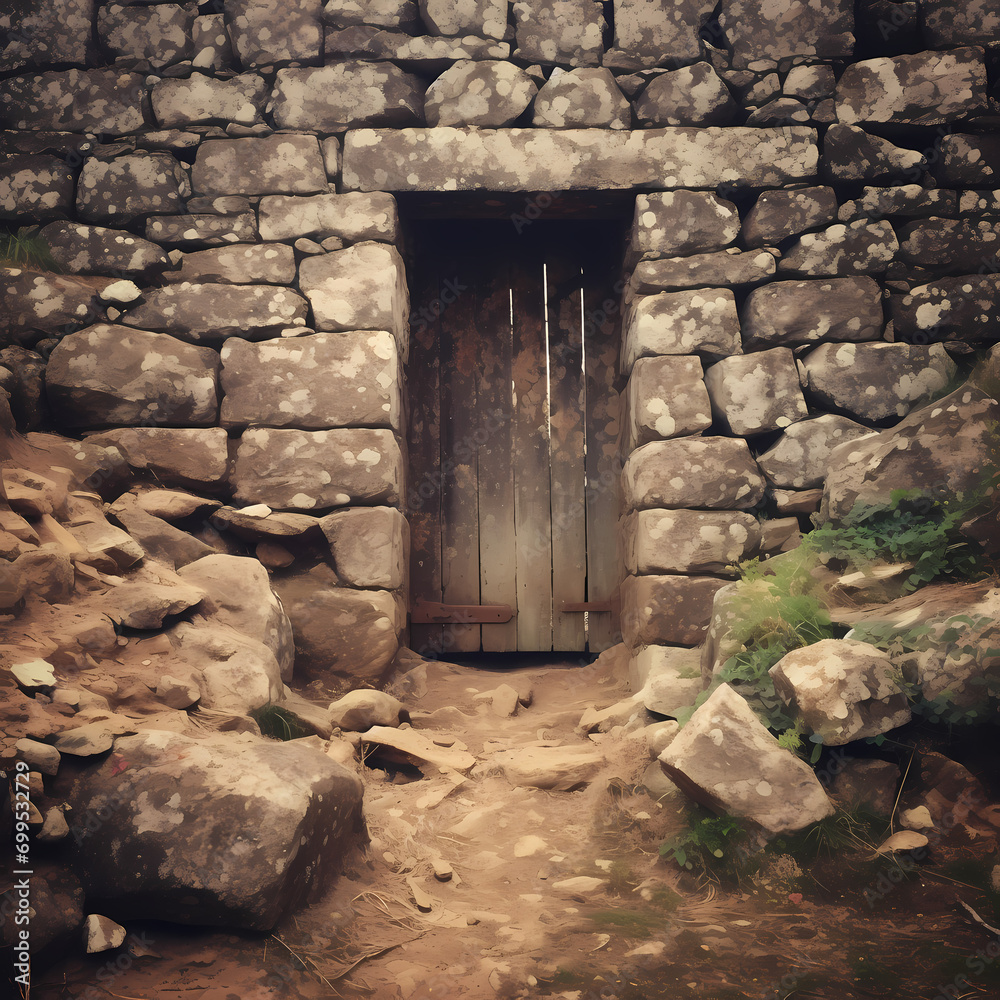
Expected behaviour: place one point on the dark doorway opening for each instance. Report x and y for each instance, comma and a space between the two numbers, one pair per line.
513, 399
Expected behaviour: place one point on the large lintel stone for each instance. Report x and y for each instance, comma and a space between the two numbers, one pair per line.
464, 159
313, 470
326, 380
713, 473
286, 164
354, 217
703, 319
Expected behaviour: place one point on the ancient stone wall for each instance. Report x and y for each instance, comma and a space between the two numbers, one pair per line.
813, 253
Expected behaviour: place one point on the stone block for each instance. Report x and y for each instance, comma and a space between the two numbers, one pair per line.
876, 382
665, 397
675, 223
776, 215
946, 25
107, 101
313, 383
581, 98
177, 456
444, 159
858, 248
926, 88
261, 263
213, 49
951, 246
82, 249
158, 35
360, 288
965, 308
565, 32
370, 546
721, 268
273, 32
211, 312
107, 375
687, 541
354, 217
754, 393
402, 14
716, 473
35, 187
666, 610
691, 95
38, 303
487, 93
671, 679
484, 18
702, 320
969, 160
798, 459
200, 99
128, 187
905, 201
424, 54
346, 95
285, 164
196, 231
654, 32
851, 154
45, 33
798, 312
315, 470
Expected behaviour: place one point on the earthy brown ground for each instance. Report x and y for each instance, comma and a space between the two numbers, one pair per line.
499, 928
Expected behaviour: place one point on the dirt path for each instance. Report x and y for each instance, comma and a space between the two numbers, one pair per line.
551, 893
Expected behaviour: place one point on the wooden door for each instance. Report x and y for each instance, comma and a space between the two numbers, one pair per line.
512, 495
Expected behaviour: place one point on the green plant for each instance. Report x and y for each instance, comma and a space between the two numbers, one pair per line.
705, 842
277, 723
26, 248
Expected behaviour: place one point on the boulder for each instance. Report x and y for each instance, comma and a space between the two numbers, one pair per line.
361, 709
350, 379
200, 99
926, 88
272, 164
675, 223
581, 98
100, 538
700, 270
104, 375
263, 263
717, 473
725, 759
157, 35
763, 35
556, 769
127, 187
691, 95
754, 393
484, 18
798, 312
36, 187
798, 459
45, 32
963, 308
360, 288
944, 446
666, 610
105, 101
874, 382
177, 456
851, 154
841, 690
347, 94
38, 304
567, 32
777, 215
210, 312
951, 246
667, 678
487, 93
703, 320
857, 248
429, 751
665, 397
655, 32
312, 470
353, 217
239, 596
370, 546
274, 818
82, 249
687, 541
46, 572
272, 32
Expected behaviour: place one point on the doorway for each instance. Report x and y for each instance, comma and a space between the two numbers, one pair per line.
512, 434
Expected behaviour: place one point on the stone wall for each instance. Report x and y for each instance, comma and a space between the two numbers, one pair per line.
813, 253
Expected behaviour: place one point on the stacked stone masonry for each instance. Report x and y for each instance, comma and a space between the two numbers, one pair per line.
813, 250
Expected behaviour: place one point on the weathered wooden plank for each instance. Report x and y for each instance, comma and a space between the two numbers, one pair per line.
566, 444
532, 524
601, 331
497, 565
423, 507
459, 459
